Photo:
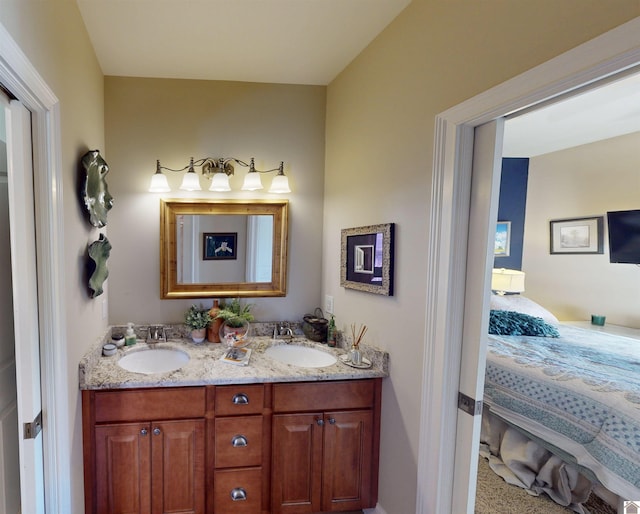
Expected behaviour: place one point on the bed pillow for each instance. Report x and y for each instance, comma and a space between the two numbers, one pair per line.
510, 323
519, 303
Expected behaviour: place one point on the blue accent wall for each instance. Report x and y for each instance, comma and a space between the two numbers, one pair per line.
513, 201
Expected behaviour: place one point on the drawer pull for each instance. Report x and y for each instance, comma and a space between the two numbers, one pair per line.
320, 422
156, 431
332, 421
239, 441
144, 431
238, 494
240, 399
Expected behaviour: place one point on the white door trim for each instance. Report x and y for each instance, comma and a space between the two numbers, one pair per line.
604, 56
21, 78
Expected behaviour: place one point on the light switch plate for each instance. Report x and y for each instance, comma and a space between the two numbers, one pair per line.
328, 304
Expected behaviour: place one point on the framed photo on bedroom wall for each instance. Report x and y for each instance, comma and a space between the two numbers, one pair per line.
576, 235
218, 246
503, 239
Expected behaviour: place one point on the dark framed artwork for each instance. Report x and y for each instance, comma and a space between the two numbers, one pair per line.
503, 239
576, 235
218, 246
366, 258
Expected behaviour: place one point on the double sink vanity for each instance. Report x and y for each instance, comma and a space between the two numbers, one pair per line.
171, 427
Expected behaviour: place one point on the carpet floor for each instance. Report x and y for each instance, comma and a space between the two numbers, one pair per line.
495, 496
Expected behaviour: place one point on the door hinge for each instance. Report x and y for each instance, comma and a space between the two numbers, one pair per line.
469, 405
31, 430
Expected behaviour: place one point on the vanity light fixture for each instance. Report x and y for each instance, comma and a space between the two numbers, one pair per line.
218, 171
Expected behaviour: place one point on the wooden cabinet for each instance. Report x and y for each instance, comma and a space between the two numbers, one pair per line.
295, 448
144, 466
325, 461
241, 457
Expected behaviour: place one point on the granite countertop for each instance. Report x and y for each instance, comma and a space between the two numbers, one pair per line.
206, 368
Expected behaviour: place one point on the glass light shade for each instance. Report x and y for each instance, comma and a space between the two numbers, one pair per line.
280, 184
252, 181
159, 184
507, 280
220, 182
190, 182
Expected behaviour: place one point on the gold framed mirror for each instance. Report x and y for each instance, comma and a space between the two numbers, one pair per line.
223, 248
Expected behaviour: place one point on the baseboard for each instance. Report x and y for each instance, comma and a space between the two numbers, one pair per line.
377, 510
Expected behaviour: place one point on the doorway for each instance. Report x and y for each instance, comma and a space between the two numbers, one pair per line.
447, 453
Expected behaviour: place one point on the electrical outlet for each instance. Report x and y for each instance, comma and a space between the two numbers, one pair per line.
328, 304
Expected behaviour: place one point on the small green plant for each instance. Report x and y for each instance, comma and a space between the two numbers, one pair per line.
197, 317
234, 313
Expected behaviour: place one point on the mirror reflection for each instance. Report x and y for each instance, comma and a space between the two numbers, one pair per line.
230, 248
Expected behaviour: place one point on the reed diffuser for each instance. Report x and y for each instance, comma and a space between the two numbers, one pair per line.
356, 354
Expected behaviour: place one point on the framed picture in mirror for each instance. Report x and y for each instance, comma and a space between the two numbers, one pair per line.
219, 246
367, 258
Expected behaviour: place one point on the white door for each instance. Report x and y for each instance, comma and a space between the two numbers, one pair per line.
9, 460
485, 190
25, 303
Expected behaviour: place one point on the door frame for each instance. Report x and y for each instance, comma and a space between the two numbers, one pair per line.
440, 444
19, 76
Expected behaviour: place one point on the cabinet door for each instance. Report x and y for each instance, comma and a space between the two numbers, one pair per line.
178, 462
123, 469
348, 439
297, 461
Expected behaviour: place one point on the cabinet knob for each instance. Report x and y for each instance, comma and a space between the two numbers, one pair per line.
238, 494
240, 399
156, 431
144, 431
320, 422
239, 441
332, 421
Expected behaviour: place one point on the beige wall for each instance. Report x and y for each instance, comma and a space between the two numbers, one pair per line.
172, 120
588, 180
380, 119
53, 37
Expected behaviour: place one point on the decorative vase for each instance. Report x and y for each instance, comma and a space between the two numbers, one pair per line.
213, 330
198, 334
235, 336
356, 355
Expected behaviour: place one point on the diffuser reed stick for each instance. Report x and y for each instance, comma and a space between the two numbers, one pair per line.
361, 333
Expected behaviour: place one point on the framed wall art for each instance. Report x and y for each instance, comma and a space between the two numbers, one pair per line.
576, 235
366, 258
219, 246
503, 239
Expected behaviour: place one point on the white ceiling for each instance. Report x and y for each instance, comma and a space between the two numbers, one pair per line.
311, 42
278, 41
602, 113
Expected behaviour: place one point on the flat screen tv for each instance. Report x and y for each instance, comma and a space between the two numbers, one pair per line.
624, 236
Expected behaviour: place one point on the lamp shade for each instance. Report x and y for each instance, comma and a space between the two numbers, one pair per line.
280, 184
507, 280
220, 182
252, 181
159, 183
190, 182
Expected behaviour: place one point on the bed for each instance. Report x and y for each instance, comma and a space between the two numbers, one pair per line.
577, 396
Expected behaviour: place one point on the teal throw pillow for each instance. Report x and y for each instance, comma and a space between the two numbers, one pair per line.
511, 323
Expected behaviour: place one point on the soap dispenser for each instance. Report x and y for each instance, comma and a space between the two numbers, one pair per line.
130, 335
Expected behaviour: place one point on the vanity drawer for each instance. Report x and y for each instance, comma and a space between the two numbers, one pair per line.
238, 491
238, 441
321, 396
239, 400
149, 404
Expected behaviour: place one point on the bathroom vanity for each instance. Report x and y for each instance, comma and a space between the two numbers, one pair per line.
216, 438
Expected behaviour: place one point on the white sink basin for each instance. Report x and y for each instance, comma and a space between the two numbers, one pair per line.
155, 360
302, 356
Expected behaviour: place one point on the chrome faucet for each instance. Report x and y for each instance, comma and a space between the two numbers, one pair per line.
156, 334
282, 330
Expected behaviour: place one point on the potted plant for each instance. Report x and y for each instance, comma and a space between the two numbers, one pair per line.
197, 319
236, 322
